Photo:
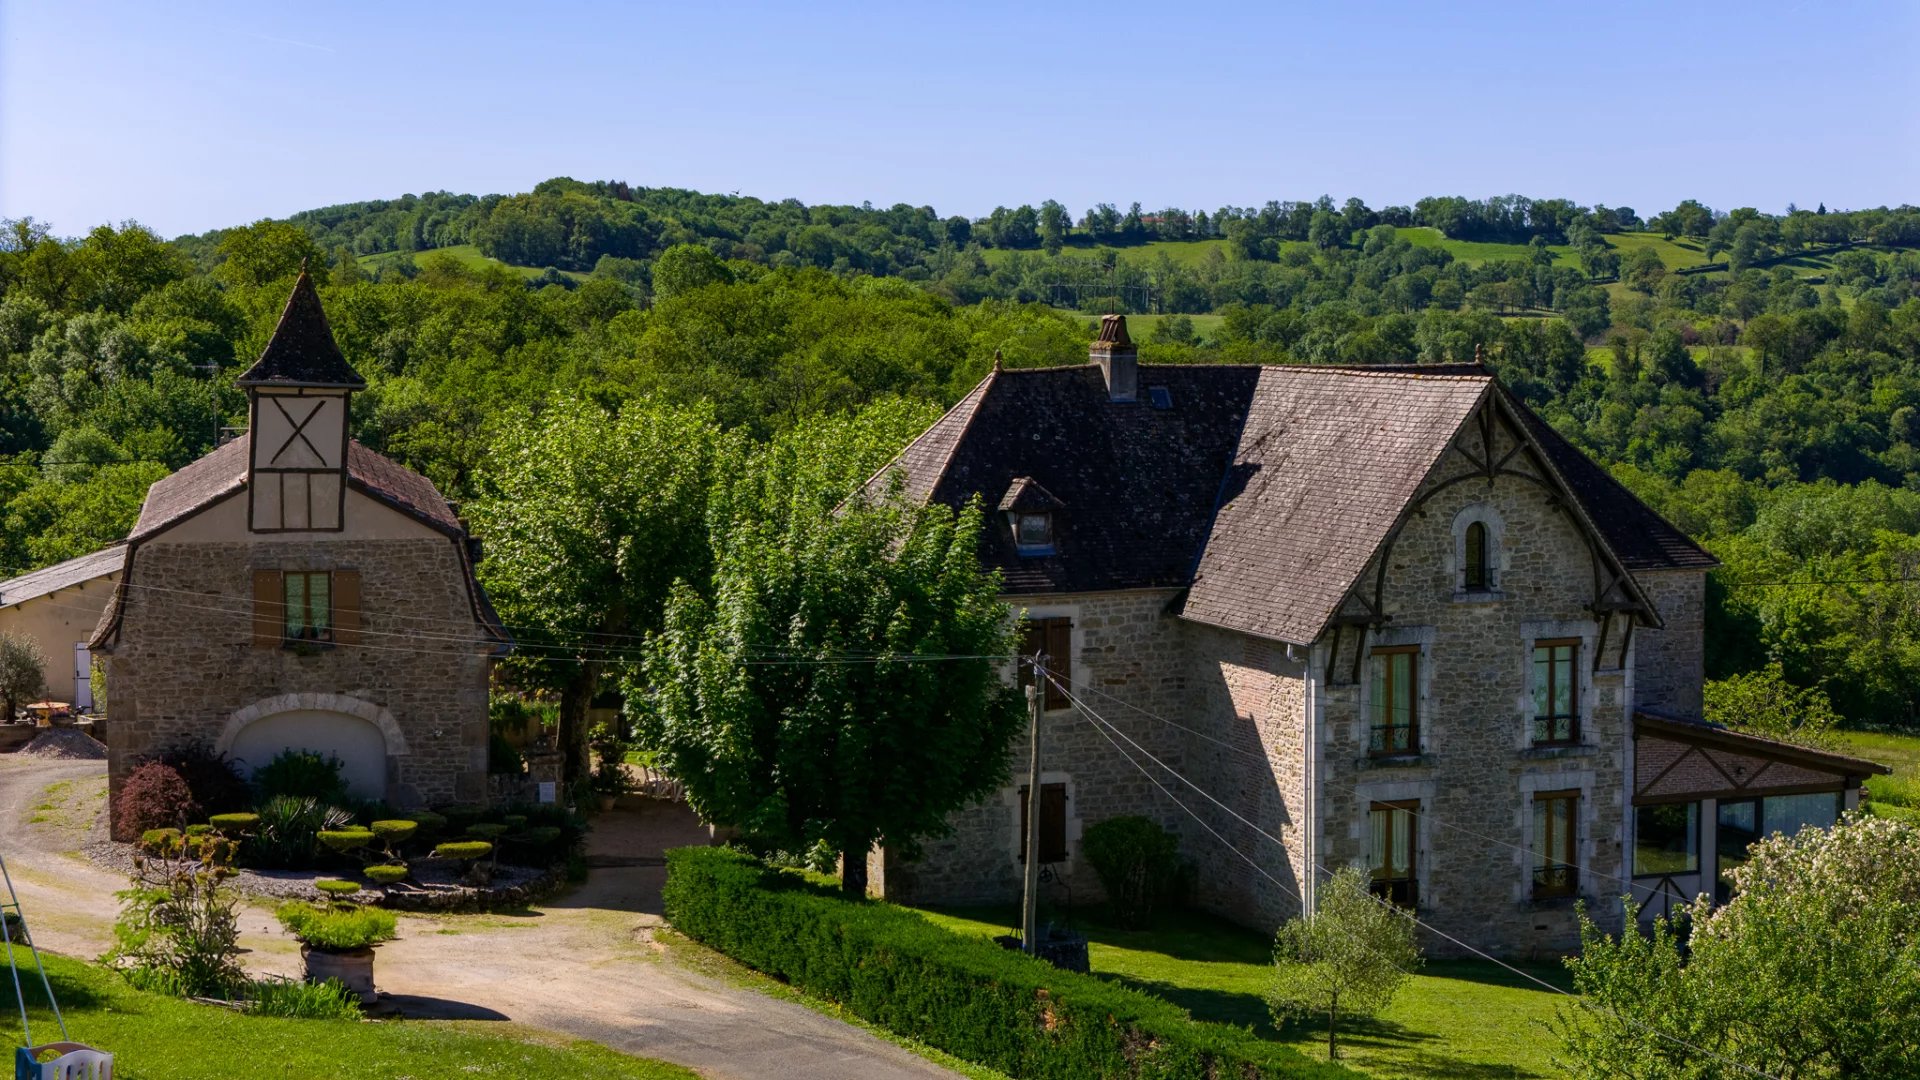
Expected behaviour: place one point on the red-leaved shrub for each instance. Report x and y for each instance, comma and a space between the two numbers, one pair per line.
153, 796
212, 778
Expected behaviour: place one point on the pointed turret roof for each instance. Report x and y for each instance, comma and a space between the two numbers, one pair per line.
302, 351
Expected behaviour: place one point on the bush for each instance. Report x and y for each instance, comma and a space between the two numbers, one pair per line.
288, 832
212, 777
336, 888
303, 774
395, 832
160, 841
463, 850
235, 823
348, 839
178, 931
154, 796
966, 996
387, 873
1138, 865
428, 821
343, 929
293, 1000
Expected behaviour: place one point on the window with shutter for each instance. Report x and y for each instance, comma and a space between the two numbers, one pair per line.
1055, 638
1053, 823
346, 607
267, 617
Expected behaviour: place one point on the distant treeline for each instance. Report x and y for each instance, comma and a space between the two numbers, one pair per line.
576, 226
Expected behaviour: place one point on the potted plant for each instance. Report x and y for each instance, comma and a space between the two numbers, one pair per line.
337, 940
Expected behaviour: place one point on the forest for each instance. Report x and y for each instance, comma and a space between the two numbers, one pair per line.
1755, 377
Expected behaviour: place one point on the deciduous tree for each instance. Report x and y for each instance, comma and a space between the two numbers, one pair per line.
1347, 958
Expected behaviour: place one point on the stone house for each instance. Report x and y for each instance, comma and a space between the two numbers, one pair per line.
1308, 617
56, 607
293, 589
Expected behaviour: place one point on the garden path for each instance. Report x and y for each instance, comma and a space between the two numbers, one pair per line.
583, 963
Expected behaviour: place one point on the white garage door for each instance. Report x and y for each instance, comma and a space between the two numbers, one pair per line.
361, 748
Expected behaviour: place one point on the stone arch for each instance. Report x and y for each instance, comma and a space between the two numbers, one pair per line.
1482, 514
373, 714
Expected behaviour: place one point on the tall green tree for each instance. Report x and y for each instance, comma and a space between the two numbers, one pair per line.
588, 519
22, 672
842, 687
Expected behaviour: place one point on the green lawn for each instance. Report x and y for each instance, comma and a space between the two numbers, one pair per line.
1902, 789
1140, 327
1675, 254
1474, 252
153, 1037
465, 254
1463, 1019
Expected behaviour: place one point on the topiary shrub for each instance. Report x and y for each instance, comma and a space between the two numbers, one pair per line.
395, 832
428, 821
160, 841
303, 774
153, 796
197, 831
487, 831
387, 873
345, 840
336, 888
463, 850
1138, 864
234, 823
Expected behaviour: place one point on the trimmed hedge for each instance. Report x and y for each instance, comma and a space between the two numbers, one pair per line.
966, 996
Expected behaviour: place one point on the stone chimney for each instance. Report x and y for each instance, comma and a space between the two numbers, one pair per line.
1119, 361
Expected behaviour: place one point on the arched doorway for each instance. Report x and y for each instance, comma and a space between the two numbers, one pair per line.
361, 734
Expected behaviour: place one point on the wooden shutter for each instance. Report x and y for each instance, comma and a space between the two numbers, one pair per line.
1059, 661
269, 610
346, 607
1053, 823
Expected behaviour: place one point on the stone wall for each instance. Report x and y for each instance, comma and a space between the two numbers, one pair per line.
185, 664
1248, 750
1127, 651
1476, 770
1669, 664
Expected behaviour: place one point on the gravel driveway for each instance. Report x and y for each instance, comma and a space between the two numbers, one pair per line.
583, 963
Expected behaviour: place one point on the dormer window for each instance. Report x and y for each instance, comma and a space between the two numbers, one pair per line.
1032, 514
1033, 533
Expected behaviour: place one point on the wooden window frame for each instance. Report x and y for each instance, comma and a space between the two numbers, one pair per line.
270, 610
306, 578
1053, 636
1053, 823
1400, 891
1376, 745
1551, 720
1027, 546
1476, 568
1559, 877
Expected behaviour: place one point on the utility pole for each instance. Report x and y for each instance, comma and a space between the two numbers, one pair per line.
1030, 910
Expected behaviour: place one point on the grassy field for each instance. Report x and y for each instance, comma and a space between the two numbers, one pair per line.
160, 1038
1460, 1019
465, 254
1473, 252
1902, 789
1140, 327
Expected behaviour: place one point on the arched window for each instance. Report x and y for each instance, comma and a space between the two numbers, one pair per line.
1476, 576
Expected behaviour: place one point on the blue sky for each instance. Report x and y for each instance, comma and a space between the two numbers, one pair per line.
189, 117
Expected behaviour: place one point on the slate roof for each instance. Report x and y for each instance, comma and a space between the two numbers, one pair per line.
1643, 539
51, 579
1694, 729
1265, 489
224, 472
1327, 460
302, 351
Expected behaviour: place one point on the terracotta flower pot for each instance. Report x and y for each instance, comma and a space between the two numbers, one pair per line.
354, 969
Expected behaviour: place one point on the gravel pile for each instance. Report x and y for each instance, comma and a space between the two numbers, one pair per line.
65, 742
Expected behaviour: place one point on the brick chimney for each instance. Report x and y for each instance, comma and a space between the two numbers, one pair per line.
1119, 361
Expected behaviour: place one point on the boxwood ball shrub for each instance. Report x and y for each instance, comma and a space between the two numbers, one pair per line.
160, 841
428, 821
345, 840
487, 831
1138, 864
966, 996
153, 796
464, 850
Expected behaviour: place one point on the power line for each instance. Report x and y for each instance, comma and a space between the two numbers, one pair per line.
1101, 722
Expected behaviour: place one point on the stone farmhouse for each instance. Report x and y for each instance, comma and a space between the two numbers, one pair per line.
56, 607
1386, 616
293, 589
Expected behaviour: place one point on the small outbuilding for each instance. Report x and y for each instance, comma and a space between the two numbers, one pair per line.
56, 607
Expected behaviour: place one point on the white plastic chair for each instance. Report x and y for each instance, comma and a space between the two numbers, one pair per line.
76, 1062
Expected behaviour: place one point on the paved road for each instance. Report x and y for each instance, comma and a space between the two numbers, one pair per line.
583, 964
